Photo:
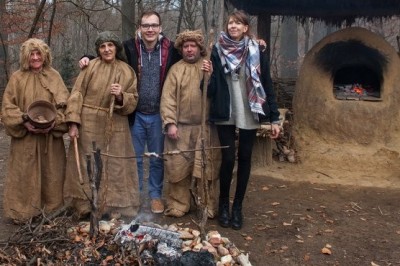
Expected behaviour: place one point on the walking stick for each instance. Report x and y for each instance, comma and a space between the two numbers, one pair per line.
204, 179
78, 164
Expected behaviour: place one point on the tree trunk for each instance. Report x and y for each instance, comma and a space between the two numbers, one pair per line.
53, 13
37, 17
289, 46
128, 8
3, 50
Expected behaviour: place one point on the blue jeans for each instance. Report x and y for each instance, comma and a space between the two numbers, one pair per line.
147, 130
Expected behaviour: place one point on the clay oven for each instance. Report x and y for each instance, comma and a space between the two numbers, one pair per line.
346, 103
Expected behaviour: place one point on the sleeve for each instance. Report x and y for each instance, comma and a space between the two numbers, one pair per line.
11, 112
61, 95
270, 107
169, 99
75, 100
130, 95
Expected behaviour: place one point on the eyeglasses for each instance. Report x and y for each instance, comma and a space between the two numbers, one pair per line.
148, 26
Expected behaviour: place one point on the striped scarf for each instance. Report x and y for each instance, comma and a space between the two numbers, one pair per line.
233, 53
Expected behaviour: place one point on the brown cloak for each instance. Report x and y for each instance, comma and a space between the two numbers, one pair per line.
36, 165
88, 106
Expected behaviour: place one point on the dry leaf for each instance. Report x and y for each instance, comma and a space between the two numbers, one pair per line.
326, 251
265, 188
307, 257
328, 246
275, 203
286, 224
248, 238
374, 264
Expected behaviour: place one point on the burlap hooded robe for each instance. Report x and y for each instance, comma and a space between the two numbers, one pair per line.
181, 105
88, 106
36, 165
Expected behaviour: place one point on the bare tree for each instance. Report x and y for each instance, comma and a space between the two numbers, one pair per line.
37, 17
3, 49
128, 14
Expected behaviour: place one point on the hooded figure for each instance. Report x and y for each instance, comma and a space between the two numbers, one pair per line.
36, 167
101, 99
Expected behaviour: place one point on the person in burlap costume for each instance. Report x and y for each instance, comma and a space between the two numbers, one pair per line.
90, 119
36, 165
181, 115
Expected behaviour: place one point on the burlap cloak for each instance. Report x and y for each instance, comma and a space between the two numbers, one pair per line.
36, 166
89, 107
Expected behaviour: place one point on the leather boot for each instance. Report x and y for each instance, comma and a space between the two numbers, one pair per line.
237, 216
223, 213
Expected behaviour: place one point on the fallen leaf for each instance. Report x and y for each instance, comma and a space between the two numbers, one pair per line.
328, 246
299, 241
248, 238
374, 264
306, 257
328, 231
286, 224
265, 188
326, 251
275, 203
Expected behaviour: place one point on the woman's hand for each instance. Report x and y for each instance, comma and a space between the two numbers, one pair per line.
116, 90
31, 128
275, 130
73, 131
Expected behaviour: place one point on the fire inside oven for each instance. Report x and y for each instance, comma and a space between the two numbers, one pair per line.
356, 69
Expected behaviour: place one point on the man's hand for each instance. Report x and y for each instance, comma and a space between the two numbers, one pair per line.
172, 132
84, 62
207, 66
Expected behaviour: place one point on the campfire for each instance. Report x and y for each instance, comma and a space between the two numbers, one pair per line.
60, 240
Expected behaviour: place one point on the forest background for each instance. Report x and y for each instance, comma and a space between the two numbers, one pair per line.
70, 27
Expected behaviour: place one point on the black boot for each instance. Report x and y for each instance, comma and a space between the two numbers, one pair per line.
223, 213
237, 216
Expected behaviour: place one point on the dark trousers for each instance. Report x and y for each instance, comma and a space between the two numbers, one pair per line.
227, 136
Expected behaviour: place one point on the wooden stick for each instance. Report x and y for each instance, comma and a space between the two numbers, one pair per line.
77, 159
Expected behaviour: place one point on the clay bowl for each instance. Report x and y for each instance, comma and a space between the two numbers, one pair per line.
41, 114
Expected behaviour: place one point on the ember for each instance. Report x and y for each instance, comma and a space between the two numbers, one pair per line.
354, 92
62, 241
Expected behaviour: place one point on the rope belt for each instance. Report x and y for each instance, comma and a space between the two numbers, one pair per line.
98, 108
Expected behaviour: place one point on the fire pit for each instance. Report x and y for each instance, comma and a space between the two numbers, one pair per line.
346, 103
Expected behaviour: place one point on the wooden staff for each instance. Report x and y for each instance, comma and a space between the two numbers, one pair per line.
77, 159
204, 179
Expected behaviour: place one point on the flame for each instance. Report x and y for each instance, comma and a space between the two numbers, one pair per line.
358, 89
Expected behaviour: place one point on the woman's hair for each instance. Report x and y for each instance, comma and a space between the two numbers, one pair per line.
28, 47
240, 16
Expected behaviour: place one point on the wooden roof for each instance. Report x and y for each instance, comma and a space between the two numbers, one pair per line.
331, 11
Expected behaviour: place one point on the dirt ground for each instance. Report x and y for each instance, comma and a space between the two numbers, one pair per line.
292, 214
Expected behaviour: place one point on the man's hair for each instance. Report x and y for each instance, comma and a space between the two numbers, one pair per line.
149, 13
28, 47
191, 35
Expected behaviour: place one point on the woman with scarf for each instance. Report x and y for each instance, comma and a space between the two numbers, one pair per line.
241, 96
